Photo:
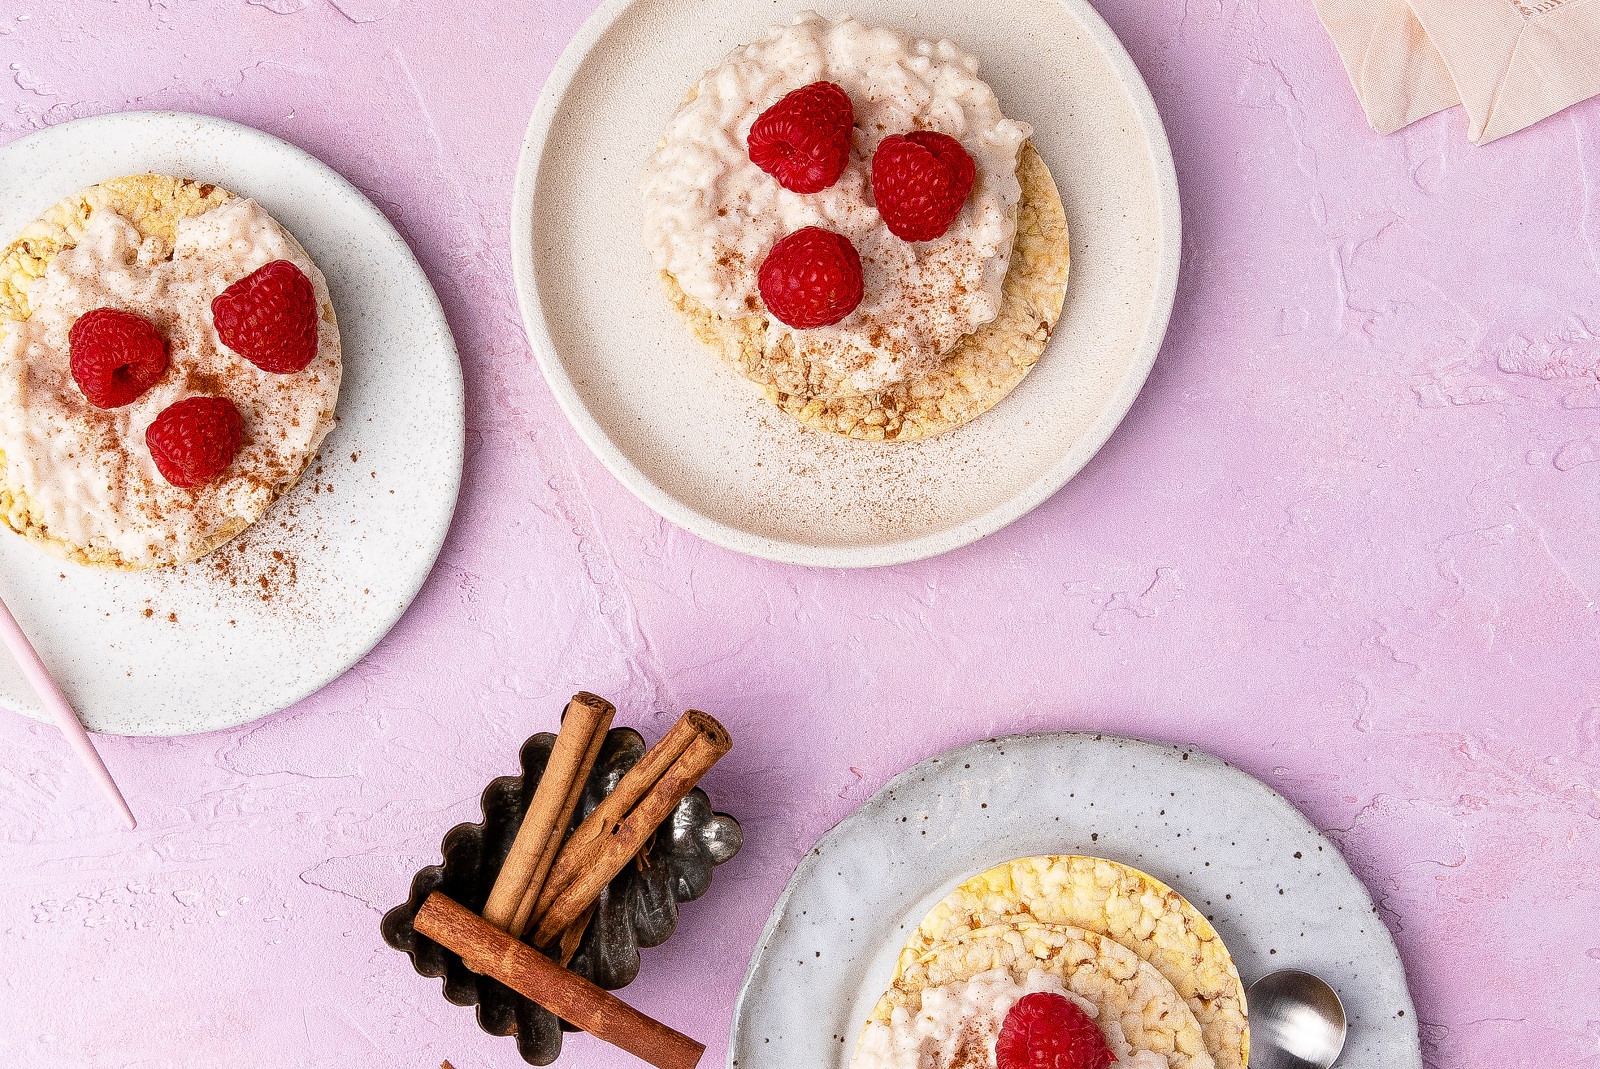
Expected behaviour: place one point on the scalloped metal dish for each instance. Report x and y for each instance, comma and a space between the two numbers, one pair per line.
638, 909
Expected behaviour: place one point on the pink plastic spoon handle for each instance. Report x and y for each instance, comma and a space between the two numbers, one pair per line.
50, 696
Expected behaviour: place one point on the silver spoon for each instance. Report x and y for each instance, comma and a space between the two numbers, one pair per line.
1296, 1022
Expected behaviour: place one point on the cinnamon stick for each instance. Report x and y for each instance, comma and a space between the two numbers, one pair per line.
577, 746
584, 847
623, 844
552, 849
572, 938
490, 952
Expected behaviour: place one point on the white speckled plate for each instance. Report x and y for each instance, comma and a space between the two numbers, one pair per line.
298, 599
696, 442
1277, 891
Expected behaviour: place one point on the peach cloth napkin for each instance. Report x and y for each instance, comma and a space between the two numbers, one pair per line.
1509, 62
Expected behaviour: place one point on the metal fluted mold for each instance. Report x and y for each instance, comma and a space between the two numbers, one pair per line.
637, 909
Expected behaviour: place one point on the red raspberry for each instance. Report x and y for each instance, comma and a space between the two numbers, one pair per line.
1046, 1031
811, 278
195, 439
115, 356
269, 317
920, 181
804, 139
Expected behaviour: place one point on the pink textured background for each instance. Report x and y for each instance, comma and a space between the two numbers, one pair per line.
1345, 540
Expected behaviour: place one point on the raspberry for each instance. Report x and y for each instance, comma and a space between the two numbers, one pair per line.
804, 139
811, 278
920, 181
195, 439
1046, 1031
269, 317
115, 356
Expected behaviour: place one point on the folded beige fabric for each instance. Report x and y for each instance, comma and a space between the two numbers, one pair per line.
1509, 62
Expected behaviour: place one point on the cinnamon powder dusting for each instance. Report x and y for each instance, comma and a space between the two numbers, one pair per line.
972, 1050
867, 490
254, 567
262, 565
269, 567
278, 573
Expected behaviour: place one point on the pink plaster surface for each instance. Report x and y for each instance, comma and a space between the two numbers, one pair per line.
1346, 540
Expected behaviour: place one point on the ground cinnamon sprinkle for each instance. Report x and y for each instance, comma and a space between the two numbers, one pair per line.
869, 490
253, 564
259, 566
261, 570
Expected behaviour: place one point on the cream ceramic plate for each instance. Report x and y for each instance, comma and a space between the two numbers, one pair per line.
1277, 891
696, 442
298, 599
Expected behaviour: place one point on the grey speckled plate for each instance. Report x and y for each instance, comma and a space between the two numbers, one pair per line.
290, 604
1277, 891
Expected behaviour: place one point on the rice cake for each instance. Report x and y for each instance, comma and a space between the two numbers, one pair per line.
154, 206
972, 378
1114, 900
1134, 1002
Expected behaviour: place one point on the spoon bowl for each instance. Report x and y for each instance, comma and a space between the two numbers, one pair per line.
1296, 1022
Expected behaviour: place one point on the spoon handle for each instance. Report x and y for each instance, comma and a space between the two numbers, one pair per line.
55, 703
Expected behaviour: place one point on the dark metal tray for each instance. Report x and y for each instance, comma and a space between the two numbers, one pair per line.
638, 909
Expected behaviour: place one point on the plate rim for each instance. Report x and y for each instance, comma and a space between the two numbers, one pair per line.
845, 827
902, 551
434, 309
